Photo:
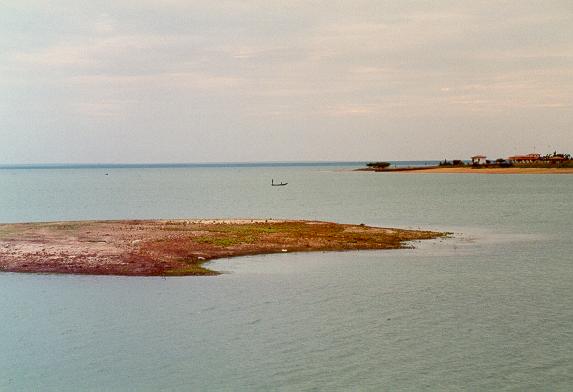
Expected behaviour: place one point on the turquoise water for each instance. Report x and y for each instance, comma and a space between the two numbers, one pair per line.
490, 309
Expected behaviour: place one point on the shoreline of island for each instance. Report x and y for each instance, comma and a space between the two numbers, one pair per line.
533, 163
178, 247
472, 170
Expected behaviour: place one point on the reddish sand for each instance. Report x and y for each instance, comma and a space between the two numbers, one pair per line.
176, 247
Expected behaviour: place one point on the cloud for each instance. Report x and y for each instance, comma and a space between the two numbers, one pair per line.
174, 80
104, 24
263, 65
52, 57
113, 108
102, 50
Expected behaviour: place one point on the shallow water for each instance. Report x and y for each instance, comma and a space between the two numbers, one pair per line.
489, 309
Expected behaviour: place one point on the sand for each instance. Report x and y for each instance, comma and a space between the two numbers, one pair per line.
508, 170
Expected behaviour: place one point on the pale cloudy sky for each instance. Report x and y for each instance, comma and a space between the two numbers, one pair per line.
213, 81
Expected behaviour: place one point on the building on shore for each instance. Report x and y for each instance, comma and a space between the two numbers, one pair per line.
479, 160
557, 160
529, 158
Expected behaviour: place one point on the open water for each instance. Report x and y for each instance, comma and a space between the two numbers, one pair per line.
490, 309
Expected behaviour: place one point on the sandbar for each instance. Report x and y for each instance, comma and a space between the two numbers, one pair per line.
177, 247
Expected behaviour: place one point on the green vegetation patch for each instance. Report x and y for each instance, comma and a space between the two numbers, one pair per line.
247, 229
220, 241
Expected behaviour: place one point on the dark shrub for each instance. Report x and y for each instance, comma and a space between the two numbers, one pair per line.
378, 165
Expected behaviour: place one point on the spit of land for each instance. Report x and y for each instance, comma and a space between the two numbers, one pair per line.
472, 170
177, 247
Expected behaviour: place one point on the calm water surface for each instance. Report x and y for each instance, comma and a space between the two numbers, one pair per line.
491, 309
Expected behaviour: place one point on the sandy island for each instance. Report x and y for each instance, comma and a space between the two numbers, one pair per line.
176, 247
471, 170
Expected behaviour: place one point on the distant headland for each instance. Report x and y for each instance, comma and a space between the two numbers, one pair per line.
177, 247
533, 163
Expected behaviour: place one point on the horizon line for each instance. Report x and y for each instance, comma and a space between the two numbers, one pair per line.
165, 164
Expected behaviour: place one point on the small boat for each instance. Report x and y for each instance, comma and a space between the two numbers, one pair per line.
279, 184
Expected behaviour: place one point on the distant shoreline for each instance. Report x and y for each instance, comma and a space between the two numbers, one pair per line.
472, 170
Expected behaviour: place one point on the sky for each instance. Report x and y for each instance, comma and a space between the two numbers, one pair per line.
146, 81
